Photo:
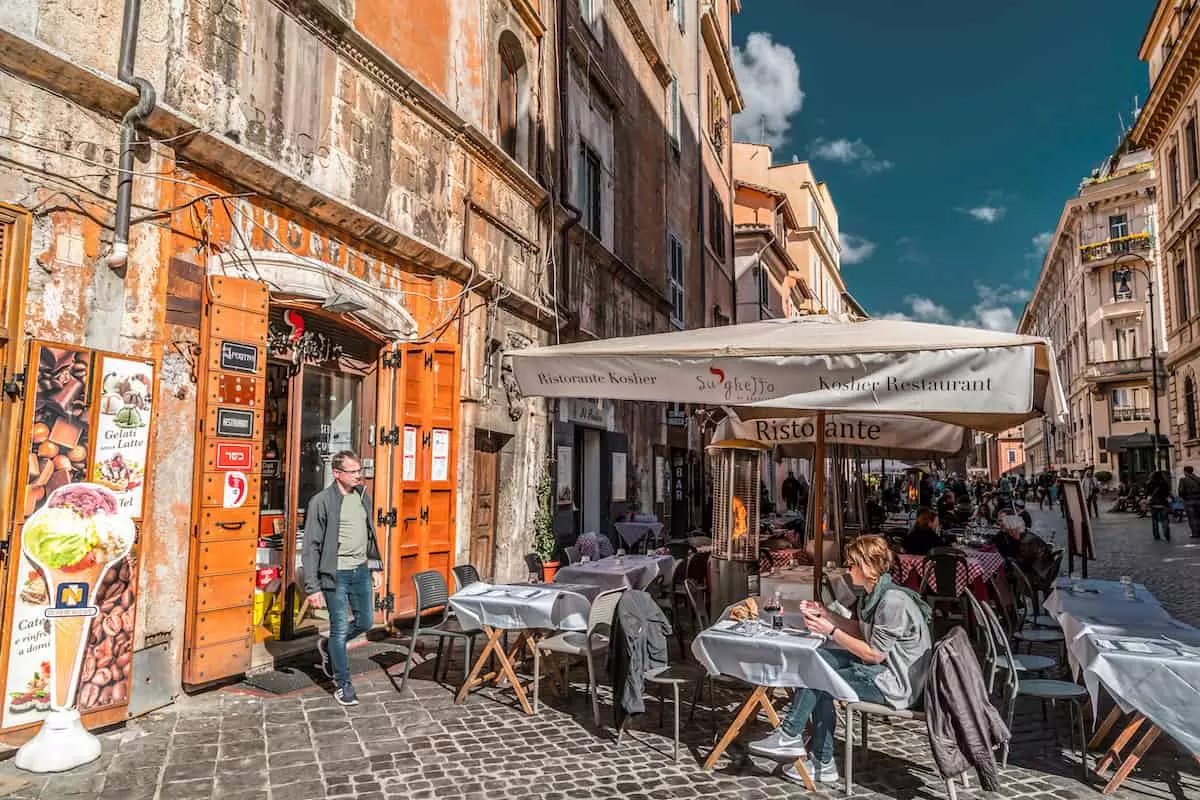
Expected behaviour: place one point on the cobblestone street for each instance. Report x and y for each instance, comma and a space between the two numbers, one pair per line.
235, 745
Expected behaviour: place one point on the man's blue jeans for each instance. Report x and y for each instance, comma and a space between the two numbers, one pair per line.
818, 704
353, 594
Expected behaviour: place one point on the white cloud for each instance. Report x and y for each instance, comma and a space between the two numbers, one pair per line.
855, 152
910, 251
995, 309
769, 79
986, 214
1041, 243
855, 249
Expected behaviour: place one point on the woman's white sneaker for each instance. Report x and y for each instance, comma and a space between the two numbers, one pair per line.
820, 773
779, 745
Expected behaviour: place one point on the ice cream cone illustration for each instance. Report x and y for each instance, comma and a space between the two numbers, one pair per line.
74, 540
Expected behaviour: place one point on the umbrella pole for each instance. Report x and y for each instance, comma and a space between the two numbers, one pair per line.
818, 503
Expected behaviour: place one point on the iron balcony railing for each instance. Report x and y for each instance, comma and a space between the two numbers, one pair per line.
1125, 414
1120, 368
1115, 247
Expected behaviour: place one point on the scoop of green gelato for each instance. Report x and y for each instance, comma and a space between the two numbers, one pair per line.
58, 537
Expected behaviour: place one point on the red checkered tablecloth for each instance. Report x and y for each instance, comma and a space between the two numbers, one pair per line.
980, 567
782, 559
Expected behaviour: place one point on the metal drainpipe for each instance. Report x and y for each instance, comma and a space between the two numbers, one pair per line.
118, 259
700, 169
564, 171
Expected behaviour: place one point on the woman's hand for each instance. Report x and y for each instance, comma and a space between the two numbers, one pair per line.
819, 623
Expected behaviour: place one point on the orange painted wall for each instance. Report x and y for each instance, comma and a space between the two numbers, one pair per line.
414, 33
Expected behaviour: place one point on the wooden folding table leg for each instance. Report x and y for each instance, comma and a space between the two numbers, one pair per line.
757, 698
1113, 717
492, 645
1128, 765
1125, 737
506, 670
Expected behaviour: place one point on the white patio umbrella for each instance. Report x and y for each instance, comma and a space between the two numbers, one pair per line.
979, 379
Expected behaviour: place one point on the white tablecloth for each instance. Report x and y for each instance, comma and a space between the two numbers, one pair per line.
782, 659
633, 532
1145, 660
521, 607
619, 572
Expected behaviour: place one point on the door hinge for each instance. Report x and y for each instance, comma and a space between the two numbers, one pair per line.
390, 436
385, 602
393, 359
425, 513
429, 361
387, 520
4, 545
14, 387
425, 437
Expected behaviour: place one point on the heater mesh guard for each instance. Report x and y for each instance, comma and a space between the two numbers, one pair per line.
736, 496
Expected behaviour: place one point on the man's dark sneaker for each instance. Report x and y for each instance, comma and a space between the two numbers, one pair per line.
325, 664
346, 696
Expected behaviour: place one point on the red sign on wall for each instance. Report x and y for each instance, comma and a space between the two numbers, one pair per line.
234, 455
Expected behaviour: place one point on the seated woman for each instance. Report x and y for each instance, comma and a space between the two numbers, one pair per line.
924, 536
884, 656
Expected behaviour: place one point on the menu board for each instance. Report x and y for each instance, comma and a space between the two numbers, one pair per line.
72, 594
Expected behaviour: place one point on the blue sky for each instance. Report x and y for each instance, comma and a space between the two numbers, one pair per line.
950, 134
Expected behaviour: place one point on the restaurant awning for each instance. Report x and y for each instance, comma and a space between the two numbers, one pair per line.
1135, 441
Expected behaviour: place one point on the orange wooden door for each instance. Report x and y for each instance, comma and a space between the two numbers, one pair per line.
219, 631
423, 431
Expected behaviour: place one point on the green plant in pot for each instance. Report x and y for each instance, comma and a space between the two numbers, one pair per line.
544, 541
1103, 476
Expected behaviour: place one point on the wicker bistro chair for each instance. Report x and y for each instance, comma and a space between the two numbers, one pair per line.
1046, 690
465, 575
433, 595
587, 644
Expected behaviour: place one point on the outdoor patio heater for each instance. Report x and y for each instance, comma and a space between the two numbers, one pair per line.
733, 567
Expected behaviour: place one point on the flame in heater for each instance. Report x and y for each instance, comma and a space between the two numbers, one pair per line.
741, 519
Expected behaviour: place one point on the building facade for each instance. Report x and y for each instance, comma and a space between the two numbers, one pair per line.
645, 186
1093, 301
1167, 125
320, 229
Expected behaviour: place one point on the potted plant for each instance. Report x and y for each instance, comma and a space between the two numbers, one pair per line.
544, 542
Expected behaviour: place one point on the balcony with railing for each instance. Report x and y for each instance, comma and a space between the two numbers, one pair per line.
1130, 414
1096, 252
1121, 369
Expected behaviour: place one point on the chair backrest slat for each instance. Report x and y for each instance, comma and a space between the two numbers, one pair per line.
465, 575
572, 554
604, 608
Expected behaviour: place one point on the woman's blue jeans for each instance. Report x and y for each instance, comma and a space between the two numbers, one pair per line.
818, 705
354, 594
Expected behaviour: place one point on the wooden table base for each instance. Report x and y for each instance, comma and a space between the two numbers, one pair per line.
759, 698
1112, 755
495, 648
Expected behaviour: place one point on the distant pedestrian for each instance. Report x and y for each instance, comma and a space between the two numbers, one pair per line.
1091, 490
342, 567
1189, 492
791, 491
1158, 491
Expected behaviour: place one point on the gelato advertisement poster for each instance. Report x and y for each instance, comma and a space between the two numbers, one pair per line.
122, 437
72, 637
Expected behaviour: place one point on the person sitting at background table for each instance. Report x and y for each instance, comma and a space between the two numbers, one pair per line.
1030, 551
924, 535
946, 506
884, 656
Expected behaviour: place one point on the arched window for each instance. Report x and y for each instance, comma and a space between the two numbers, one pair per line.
1189, 402
510, 91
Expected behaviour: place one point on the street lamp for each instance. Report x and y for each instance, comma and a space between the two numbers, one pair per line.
1123, 276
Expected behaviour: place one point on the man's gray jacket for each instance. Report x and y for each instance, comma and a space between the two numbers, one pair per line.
320, 556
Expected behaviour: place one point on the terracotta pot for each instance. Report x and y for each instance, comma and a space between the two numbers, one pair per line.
549, 569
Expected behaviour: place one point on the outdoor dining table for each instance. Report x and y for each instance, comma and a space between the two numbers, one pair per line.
766, 659
633, 532
979, 567
619, 572
1148, 662
527, 608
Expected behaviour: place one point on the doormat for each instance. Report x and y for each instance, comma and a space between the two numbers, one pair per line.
302, 672
10, 784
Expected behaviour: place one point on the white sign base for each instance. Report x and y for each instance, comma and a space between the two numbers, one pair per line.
62, 744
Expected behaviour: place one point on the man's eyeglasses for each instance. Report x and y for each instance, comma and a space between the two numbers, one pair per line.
354, 471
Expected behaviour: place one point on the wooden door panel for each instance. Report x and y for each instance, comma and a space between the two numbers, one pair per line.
212, 490
224, 523
223, 625
220, 660
225, 591
226, 557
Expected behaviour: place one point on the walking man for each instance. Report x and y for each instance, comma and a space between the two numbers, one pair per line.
791, 491
342, 567
1189, 492
1158, 489
1091, 490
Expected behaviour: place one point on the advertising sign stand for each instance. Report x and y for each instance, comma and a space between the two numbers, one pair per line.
61, 744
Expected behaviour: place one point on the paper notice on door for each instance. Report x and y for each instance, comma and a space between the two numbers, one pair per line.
410, 453
441, 455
